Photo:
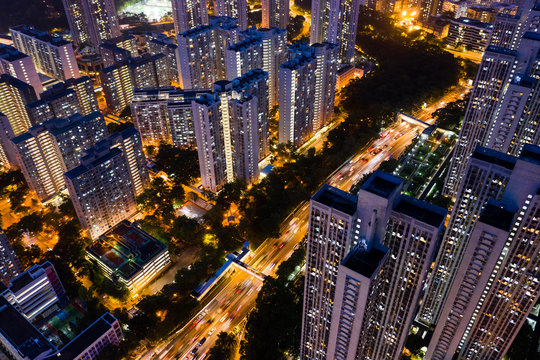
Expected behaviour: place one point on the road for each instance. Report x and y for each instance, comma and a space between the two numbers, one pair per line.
295, 11
226, 306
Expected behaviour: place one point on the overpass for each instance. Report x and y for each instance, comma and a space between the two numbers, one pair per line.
232, 260
401, 116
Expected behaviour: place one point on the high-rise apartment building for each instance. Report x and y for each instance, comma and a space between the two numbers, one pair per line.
355, 277
104, 186
274, 53
75, 96
275, 13
119, 81
92, 21
358, 249
255, 83
14, 95
48, 150
306, 92
226, 130
243, 56
429, 9
497, 283
162, 44
188, 14
490, 118
332, 223
201, 52
237, 9
335, 22
52, 55
84, 90
412, 236
20, 66
10, 267
485, 177
296, 100
339, 222
118, 49
8, 154
117, 86
165, 115
57, 102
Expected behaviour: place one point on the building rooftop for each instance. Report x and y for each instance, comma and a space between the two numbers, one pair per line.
196, 31
496, 215
245, 44
336, 198
21, 334
119, 39
113, 47
500, 50
223, 22
143, 59
125, 249
297, 62
56, 126
249, 78
10, 53
94, 157
530, 153
421, 210
364, 262
82, 341
494, 157
28, 276
207, 99
40, 35
382, 184
473, 22
13, 81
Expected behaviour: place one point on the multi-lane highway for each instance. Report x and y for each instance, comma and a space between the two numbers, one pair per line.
227, 305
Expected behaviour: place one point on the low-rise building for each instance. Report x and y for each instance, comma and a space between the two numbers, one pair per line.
472, 34
87, 345
37, 292
129, 255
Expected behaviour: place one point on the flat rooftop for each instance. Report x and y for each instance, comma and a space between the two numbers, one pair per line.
125, 249
421, 210
531, 154
82, 341
40, 35
364, 262
494, 157
496, 215
21, 333
95, 156
382, 184
9, 53
28, 276
336, 198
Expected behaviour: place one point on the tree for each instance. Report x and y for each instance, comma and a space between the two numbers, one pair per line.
126, 113
32, 223
521, 347
187, 231
224, 348
113, 127
180, 164
274, 326
414, 343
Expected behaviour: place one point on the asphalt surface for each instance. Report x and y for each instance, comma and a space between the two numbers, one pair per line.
227, 305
